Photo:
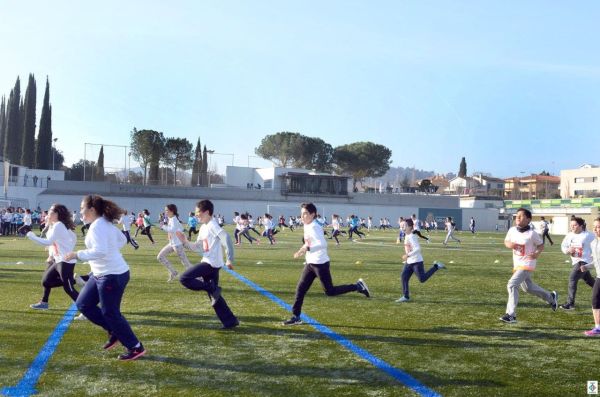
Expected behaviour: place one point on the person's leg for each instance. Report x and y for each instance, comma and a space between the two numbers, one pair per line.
162, 258
513, 291
407, 272
182, 256
587, 277
111, 289
149, 234
236, 236
65, 270
574, 277
532, 288
324, 274
419, 268
87, 303
306, 279
190, 279
51, 278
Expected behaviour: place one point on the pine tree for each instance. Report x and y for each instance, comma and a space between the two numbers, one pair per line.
100, 165
14, 128
197, 166
2, 124
43, 151
462, 171
205, 167
28, 146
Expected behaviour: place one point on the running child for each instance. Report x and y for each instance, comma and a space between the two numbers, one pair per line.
413, 261
172, 227
317, 264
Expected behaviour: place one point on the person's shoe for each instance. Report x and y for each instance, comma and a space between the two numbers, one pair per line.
111, 342
428, 241
554, 304
231, 326
567, 306
439, 265
78, 280
215, 296
362, 288
592, 332
133, 354
402, 299
81, 317
40, 306
507, 318
172, 277
294, 320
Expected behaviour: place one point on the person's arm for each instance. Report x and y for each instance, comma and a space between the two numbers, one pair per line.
99, 247
565, 245
415, 249
227, 244
56, 234
538, 250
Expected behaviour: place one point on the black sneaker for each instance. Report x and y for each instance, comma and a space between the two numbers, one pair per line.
507, 318
215, 296
568, 306
362, 288
295, 320
133, 354
112, 342
554, 303
232, 325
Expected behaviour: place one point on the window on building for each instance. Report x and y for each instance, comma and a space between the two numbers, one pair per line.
268, 183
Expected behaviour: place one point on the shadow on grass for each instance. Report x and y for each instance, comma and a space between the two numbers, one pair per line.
367, 376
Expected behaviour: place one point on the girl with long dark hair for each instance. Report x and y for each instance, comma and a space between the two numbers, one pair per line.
61, 240
109, 276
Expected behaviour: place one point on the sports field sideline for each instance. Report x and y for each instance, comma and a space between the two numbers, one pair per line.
448, 338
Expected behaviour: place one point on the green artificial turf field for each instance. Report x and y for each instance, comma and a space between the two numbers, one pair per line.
448, 337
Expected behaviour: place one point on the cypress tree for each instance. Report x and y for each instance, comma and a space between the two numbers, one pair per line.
197, 167
462, 171
100, 165
43, 151
28, 147
14, 126
205, 167
2, 124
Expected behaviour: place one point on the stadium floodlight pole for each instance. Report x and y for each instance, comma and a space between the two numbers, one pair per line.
210, 152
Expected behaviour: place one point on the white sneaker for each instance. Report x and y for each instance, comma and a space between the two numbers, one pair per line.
81, 317
402, 299
439, 265
172, 276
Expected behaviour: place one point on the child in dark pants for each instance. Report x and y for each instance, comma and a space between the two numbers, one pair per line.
414, 261
205, 275
317, 264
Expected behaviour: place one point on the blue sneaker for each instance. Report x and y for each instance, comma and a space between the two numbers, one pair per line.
40, 306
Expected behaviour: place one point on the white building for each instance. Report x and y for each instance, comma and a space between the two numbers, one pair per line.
580, 182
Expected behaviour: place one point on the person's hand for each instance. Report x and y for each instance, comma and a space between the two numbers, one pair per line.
404, 257
70, 256
582, 269
229, 265
300, 252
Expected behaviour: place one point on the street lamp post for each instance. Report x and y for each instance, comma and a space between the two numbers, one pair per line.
53, 150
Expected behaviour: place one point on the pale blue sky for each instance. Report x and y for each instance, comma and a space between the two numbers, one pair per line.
511, 85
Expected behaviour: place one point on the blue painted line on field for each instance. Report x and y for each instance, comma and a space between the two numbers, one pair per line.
26, 386
394, 372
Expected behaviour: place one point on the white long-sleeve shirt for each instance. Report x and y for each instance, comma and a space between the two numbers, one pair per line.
104, 242
171, 228
412, 249
61, 239
581, 243
595, 248
314, 240
210, 243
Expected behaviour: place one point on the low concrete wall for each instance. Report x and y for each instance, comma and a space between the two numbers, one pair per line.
257, 202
